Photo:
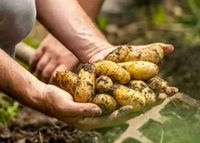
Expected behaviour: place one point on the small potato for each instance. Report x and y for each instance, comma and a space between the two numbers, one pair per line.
85, 89
148, 93
141, 70
66, 80
160, 85
104, 84
119, 54
106, 102
153, 54
126, 96
111, 69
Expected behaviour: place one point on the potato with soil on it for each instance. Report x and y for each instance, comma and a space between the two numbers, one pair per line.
67, 80
153, 54
119, 54
112, 70
141, 70
85, 88
106, 102
104, 84
148, 93
160, 85
127, 96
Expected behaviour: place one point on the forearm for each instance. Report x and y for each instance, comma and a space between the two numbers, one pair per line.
73, 27
18, 83
91, 7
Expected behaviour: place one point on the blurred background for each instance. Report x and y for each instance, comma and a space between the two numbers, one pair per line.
133, 22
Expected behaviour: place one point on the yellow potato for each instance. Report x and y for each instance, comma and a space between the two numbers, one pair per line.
111, 69
127, 96
153, 54
142, 87
104, 84
66, 80
119, 54
141, 70
85, 89
106, 102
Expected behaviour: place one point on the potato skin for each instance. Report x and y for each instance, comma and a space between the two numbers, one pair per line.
141, 70
153, 54
142, 87
111, 69
104, 84
85, 89
66, 80
127, 96
119, 54
106, 102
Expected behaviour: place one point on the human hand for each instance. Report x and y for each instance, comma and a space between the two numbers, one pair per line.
51, 56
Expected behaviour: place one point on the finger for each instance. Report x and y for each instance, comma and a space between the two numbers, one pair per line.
122, 111
48, 71
86, 110
162, 96
36, 57
42, 64
171, 90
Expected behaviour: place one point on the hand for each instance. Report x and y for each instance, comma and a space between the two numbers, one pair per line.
84, 116
51, 56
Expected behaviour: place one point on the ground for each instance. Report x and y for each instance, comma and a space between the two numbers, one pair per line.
135, 23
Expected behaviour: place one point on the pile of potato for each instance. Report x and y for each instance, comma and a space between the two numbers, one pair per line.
125, 77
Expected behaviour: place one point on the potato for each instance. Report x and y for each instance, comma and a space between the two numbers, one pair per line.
126, 96
153, 54
66, 80
85, 89
148, 93
119, 54
160, 85
104, 84
111, 69
141, 70
106, 102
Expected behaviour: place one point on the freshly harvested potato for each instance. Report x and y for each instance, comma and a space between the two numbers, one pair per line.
106, 102
104, 84
85, 89
160, 85
111, 69
141, 70
119, 54
127, 96
153, 54
66, 80
148, 93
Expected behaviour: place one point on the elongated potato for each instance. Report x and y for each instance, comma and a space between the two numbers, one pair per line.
126, 96
106, 102
160, 85
141, 70
67, 80
148, 93
85, 89
119, 54
104, 84
153, 54
111, 69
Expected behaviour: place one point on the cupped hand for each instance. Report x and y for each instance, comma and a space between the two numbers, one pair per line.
50, 56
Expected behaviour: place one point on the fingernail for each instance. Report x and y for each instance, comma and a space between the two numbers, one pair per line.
97, 111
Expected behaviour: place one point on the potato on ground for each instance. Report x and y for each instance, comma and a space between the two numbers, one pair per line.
160, 85
141, 70
127, 96
153, 54
67, 80
119, 54
104, 84
85, 88
148, 93
111, 69
106, 102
